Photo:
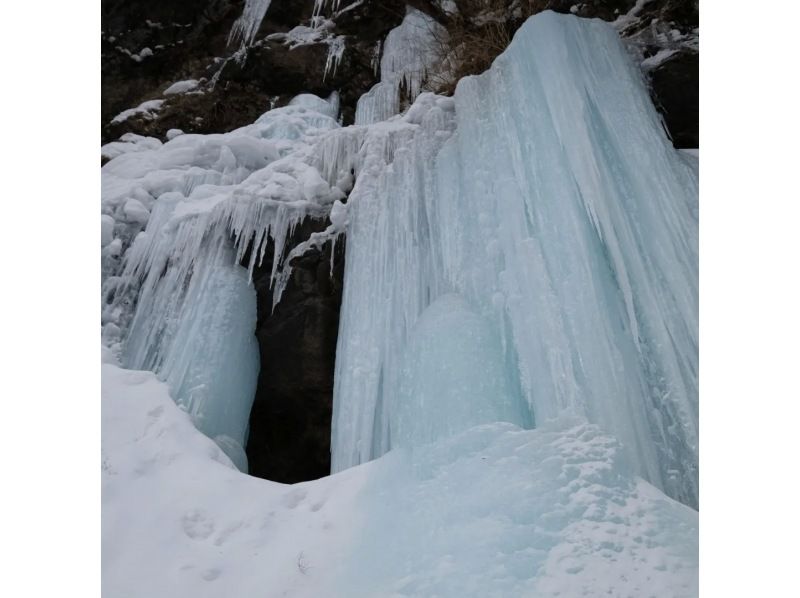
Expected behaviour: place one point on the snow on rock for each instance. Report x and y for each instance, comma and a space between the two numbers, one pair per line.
173, 133
631, 17
180, 87
492, 511
146, 109
142, 54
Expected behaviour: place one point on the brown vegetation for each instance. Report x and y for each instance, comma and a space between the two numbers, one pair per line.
478, 33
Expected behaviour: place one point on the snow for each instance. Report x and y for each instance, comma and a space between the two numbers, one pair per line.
658, 59
129, 142
329, 107
493, 511
106, 230
135, 211
173, 133
623, 21
146, 109
180, 87
141, 55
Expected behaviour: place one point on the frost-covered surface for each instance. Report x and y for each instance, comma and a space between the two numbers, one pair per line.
146, 109
562, 215
409, 53
494, 511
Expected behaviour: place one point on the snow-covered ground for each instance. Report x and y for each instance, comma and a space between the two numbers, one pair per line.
494, 511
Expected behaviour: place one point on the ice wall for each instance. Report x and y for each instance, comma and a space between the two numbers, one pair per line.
561, 214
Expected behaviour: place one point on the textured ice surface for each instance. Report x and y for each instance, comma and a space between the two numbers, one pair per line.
492, 511
452, 369
409, 54
562, 215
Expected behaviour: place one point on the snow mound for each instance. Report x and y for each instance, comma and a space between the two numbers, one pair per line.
493, 511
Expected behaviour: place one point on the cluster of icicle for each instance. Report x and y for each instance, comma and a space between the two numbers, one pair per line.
409, 58
178, 220
246, 26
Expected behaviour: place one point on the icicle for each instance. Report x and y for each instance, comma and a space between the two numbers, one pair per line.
336, 47
246, 26
409, 52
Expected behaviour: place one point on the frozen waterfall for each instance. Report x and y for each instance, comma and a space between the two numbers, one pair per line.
551, 202
521, 252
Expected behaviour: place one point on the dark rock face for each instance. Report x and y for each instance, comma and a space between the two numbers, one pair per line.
675, 89
290, 423
189, 40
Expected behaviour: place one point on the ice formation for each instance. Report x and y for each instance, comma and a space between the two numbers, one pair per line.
544, 198
246, 26
185, 214
409, 53
518, 332
561, 214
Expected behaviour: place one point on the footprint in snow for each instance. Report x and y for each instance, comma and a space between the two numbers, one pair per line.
197, 525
